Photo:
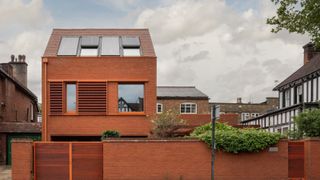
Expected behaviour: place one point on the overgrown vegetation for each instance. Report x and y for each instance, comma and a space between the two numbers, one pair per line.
308, 124
166, 124
110, 134
236, 140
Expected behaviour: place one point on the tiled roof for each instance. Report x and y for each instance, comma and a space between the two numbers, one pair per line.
180, 92
55, 38
19, 85
306, 69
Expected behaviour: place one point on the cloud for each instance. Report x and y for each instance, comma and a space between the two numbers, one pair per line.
225, 52
25, 30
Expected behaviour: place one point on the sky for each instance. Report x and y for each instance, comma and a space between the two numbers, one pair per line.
223, 47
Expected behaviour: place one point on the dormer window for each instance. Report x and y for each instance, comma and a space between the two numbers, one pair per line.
89, 46
99, 46
131, 46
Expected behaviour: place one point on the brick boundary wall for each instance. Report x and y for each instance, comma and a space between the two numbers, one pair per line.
312, 158
268, 164
22, 159
156, 159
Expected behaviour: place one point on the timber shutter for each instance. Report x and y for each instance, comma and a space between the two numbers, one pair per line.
56, 98
92, 98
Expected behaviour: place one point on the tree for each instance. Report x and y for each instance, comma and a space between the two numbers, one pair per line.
299, 16
308, 123
166, 123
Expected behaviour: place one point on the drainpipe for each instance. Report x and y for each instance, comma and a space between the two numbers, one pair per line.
44, 99
213, 140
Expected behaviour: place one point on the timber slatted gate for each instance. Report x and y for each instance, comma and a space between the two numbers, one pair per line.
296, 160
68, 160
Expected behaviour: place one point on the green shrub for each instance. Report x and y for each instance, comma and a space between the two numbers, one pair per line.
236, 140
110, 134
308, 123
166, 124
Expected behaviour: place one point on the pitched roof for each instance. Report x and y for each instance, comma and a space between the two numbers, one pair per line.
55, 38
306, 69
19, 85
179, 92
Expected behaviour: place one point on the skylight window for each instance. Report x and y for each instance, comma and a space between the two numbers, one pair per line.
89, 46
68, 46
131, 46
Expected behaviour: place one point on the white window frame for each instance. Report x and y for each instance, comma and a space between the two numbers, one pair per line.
161, 105
190, 104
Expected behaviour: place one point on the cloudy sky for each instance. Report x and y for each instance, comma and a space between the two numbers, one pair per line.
223, 47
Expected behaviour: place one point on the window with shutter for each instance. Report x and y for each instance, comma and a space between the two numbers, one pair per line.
56, 98
92, 98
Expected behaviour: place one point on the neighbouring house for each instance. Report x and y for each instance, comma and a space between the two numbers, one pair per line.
300, 91
18, 106
190, 102
235, 113
95, 80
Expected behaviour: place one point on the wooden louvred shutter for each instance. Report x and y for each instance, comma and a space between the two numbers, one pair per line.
56, 98
92, 98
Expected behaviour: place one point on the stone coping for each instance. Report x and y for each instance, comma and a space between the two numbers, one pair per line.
156, 140
23, 140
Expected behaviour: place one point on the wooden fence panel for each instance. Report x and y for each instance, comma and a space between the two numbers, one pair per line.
87, 161
296, 159
51, 161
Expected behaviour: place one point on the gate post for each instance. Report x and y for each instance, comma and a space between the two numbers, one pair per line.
22, 158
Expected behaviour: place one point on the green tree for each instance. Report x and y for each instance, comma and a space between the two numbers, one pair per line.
308, 123
299, 16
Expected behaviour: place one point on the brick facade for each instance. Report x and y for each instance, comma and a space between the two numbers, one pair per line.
18, 105
110, 69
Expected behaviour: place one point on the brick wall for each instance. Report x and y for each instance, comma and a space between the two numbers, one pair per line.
112, 70
156, 159
17, 103
22, 159
231, 119
312, 158
253, 166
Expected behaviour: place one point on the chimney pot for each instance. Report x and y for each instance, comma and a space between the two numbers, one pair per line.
12, 57
239, 100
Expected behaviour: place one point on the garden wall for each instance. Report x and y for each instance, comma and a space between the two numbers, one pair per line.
179, 159
312, 159
156, 159
269, 164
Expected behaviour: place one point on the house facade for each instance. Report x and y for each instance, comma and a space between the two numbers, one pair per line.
188, 101
18, 106
235, 113
96, 80
300, 91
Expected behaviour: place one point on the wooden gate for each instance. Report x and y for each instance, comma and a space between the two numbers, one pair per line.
296, 160
68, 160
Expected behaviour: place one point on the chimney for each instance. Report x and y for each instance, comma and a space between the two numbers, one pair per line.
19, 68
309, 52
239, 101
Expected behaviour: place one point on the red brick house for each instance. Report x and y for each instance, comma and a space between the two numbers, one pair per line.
18, 106
190, 102
98, 79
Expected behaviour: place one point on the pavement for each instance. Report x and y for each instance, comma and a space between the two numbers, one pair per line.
5, 172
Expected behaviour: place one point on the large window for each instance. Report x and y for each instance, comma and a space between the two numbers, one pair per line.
131, 46
188, 108
286, 98
71, 97
130, 97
